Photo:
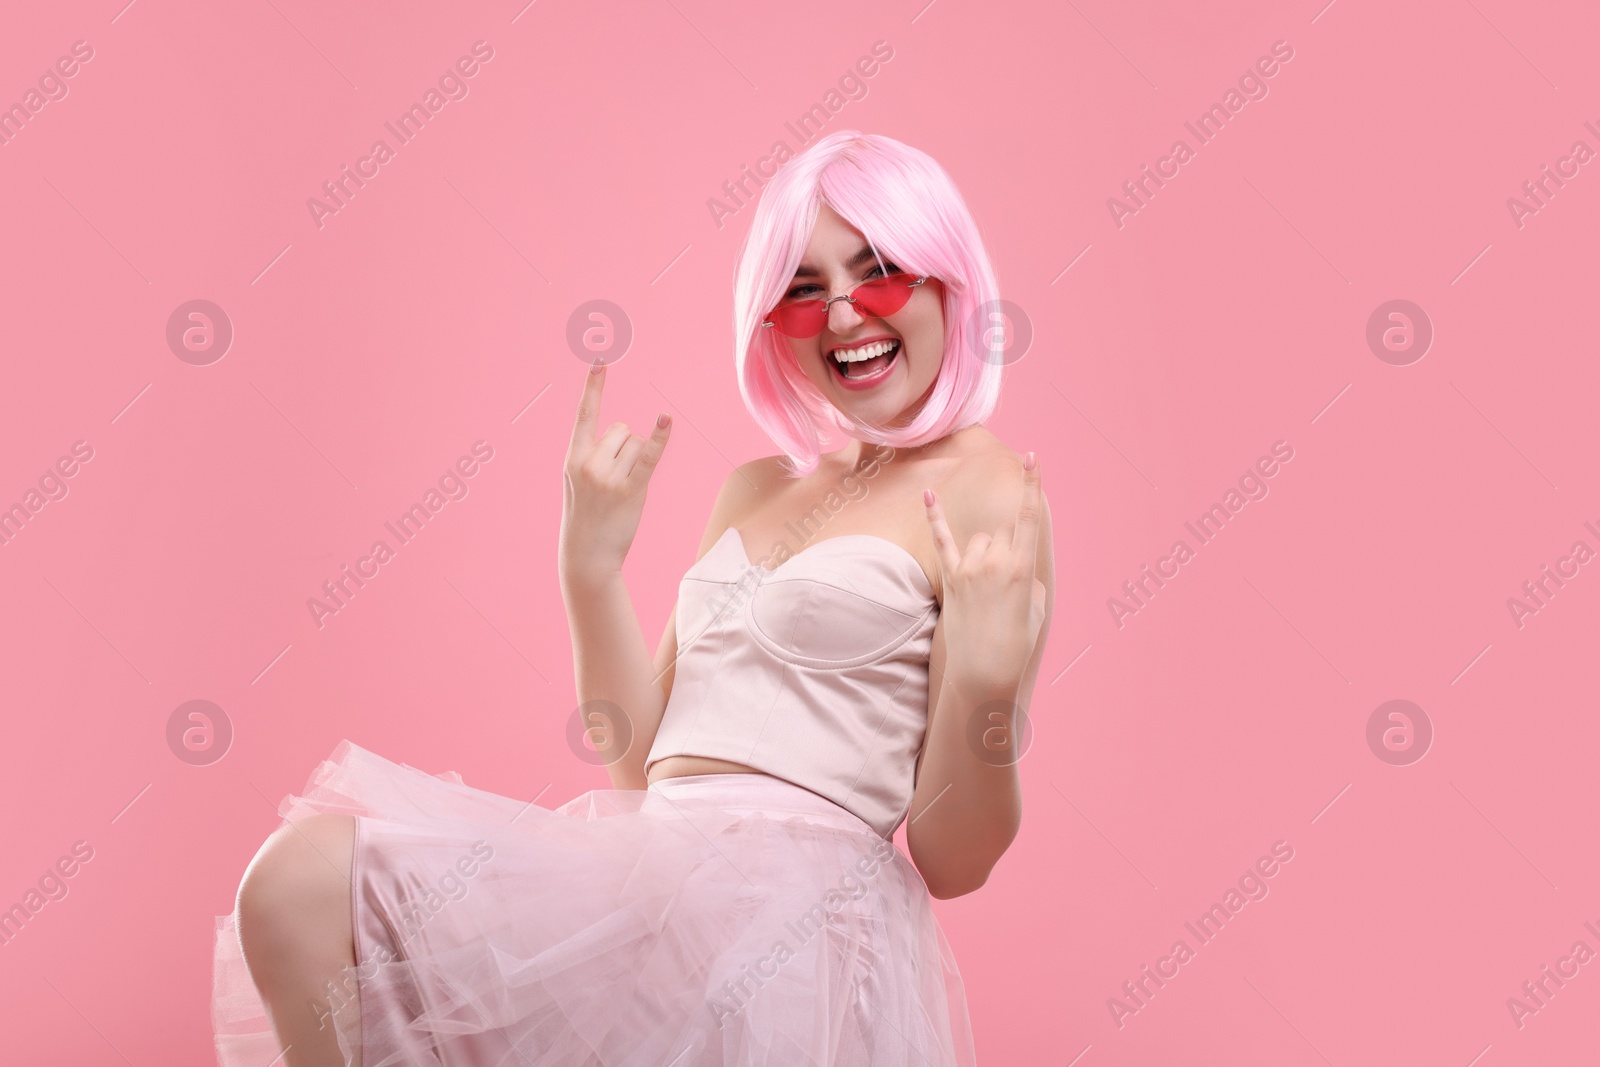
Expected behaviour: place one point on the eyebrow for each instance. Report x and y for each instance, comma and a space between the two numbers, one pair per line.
863, 256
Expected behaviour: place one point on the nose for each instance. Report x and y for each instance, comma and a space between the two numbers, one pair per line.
843, 317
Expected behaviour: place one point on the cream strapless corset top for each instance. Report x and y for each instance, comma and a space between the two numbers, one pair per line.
815, 672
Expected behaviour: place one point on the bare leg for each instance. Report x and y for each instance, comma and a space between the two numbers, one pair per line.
296, 931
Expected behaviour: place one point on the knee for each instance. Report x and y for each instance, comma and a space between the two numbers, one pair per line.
302, 870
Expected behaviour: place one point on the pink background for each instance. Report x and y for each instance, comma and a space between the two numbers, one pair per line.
1228, 313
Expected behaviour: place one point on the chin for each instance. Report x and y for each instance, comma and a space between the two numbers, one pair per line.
878, 412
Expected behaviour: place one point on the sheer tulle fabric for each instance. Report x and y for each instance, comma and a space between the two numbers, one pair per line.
708, 920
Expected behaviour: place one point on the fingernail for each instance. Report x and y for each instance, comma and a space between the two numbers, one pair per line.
594, 368
927, 497
663, 420
1029, 463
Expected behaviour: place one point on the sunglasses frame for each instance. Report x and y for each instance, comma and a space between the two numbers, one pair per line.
827, 304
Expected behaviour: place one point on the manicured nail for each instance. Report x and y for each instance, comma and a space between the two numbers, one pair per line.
927, 497
594, 368
663, 420
1029, 463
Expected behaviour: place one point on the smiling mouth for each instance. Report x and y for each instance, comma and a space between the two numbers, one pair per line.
865, 368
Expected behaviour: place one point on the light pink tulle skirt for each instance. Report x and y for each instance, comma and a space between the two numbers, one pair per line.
710, 919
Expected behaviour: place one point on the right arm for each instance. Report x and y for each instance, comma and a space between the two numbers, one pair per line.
610, 658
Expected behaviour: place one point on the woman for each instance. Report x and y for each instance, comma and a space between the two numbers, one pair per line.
735, 898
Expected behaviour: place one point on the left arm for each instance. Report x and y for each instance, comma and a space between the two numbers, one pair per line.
966, 807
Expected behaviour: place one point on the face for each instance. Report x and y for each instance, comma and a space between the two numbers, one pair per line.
836, 260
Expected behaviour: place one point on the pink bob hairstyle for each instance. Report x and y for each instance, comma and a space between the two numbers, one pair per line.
912, 214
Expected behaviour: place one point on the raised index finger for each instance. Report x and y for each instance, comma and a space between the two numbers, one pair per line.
583, 425
1025, 538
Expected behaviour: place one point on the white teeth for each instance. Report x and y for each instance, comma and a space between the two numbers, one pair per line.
856, 355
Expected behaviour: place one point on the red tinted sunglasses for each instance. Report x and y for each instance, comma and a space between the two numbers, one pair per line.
875, 298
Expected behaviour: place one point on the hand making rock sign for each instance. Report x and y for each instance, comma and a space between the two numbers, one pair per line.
994, 603
606, 476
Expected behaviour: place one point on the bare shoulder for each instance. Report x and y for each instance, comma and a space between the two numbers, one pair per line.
982, 476
749, 483
982, 489
741, 490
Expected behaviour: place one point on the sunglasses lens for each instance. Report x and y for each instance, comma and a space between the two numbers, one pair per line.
877, 298
884, 296
805, 318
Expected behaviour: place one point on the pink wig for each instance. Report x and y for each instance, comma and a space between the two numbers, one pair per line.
911, 212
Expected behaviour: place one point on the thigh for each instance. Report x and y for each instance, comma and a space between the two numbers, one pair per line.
295, 895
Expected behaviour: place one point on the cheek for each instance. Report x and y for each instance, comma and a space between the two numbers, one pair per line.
930, 344
806, 357
928, 319
928, 370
